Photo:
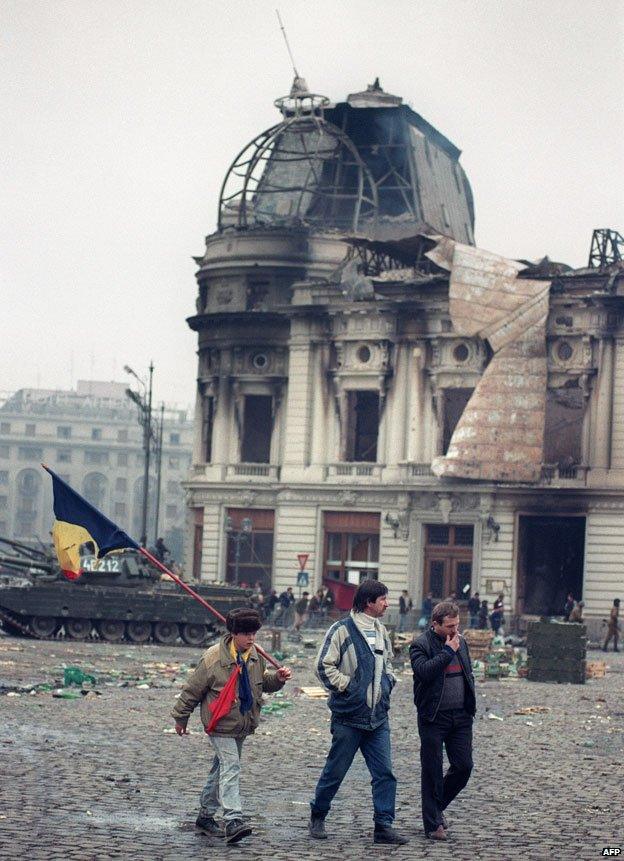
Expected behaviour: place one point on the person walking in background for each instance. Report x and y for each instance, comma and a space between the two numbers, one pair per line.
282, 613
405, 607
474, 605
314, 607
444, 695
425, 613
614, 628
497, 618
354, 664
271, 602
301, 608
484, 614
327, 602
161, 549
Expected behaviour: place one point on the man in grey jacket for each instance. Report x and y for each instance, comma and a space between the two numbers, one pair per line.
354, 664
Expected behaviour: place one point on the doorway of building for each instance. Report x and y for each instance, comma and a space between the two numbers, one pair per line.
351, 553
551, 553
448, 561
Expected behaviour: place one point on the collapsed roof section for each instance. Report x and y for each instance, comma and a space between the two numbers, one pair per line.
369, 165
500, 435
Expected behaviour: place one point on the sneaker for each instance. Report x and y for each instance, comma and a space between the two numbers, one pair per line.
438, 834
235, 830
316, 827
385, 834
208, 825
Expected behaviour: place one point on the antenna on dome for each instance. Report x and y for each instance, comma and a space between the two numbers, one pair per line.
290, 53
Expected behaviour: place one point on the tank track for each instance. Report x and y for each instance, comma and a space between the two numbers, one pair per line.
12, 625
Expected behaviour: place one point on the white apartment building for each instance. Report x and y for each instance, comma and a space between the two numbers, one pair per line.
91, 437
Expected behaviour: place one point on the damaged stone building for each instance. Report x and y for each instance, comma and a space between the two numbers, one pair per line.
377, 392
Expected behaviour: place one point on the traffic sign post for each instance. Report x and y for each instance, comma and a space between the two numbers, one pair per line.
303, 578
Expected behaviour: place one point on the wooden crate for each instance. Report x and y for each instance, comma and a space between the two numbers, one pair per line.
479, 642
595, 669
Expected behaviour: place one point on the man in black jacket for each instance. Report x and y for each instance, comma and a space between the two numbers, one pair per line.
444, 694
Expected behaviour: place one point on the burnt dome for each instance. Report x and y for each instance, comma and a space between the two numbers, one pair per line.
369, 165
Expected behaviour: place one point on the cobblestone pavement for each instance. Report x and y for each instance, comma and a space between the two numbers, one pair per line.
102, 777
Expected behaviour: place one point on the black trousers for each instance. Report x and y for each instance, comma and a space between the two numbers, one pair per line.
453, 729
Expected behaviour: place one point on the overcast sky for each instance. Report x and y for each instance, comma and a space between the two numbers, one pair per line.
120, 119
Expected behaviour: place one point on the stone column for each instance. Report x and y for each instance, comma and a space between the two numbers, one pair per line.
298, 403
599, 455
395, 416
415, 442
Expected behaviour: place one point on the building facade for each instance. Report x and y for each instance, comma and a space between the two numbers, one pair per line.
91, 438
345, 379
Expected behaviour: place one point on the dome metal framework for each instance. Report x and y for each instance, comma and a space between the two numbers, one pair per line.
303, 171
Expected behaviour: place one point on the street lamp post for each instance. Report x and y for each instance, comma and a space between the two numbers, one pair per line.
238, 536
144, 403
159, 449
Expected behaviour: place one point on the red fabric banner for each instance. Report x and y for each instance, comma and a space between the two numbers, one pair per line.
224, 702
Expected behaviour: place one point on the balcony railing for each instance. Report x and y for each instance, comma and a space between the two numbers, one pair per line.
553, 473
252, 471
418, 470
354, 470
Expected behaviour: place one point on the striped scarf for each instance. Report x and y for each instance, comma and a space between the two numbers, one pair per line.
245, 695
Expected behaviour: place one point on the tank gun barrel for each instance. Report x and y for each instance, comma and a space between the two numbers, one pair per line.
24, 564
25, 552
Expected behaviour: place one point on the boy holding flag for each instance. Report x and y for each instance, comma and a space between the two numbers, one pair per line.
228, 682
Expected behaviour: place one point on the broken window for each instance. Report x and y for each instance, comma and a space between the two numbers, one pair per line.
198, 541
551, 553
362, 426
250, 549
563, 431
455, 401
257, 292
257, 429
351, 553
207, 425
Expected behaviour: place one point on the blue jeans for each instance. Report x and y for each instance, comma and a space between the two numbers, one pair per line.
375, 747
474, 620
223, 784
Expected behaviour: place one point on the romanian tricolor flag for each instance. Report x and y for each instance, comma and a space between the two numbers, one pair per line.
77, 522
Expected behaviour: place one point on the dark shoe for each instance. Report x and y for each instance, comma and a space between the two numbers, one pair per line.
208, 825
316, 827
385, 834
235, 830
438, 834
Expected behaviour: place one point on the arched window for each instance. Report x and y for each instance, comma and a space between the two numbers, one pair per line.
28, 499
94, 489
28, 482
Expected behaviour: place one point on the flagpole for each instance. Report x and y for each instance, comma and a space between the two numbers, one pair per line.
199, 598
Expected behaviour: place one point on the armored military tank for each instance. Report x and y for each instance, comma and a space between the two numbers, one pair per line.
120, 597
